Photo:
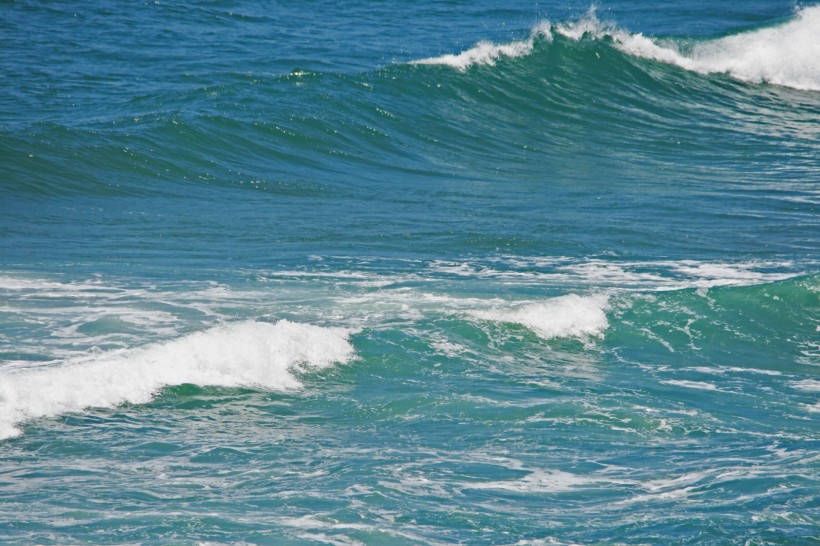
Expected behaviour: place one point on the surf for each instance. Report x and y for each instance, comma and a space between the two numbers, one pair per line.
245, 354
783, 54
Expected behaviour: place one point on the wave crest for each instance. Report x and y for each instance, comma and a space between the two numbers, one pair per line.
786, 54
488, 53
246, 354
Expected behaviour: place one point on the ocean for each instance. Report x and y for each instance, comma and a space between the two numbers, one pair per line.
390, 272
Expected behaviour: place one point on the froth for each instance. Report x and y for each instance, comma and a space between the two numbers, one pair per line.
246, 354
784, 55
539, 481
488, 53
565, 316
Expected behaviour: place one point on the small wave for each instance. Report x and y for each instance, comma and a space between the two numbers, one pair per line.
786, 54
246, 354
565, 316
488, 53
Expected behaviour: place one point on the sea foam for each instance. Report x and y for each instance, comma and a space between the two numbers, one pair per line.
786, 54
486, 52
565, 316
245, 354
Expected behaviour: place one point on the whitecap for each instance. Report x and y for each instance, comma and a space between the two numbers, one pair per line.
488, 53
565, 316
787, 54
244, 354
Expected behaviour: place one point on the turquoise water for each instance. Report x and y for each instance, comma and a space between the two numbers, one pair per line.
409, 273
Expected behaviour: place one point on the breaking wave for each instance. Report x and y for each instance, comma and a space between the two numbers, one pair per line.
786, 54
246, 354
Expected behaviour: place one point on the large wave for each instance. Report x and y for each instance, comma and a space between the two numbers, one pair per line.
787, 54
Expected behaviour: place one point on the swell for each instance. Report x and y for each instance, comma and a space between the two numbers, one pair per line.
769, 327
579, 92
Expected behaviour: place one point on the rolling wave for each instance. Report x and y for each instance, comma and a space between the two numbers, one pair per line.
566, 121
245, 354
757, 325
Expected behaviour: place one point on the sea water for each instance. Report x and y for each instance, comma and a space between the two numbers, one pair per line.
439, 272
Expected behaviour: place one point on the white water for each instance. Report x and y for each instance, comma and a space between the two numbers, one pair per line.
245, 354
565, 316
787, 54
488, 53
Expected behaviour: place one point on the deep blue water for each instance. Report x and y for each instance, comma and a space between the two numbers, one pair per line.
409, 272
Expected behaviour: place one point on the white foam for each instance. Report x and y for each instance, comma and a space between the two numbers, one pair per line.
628, 275
245, 354
665, 484
539, 481
722, 370
787, 54
707, 275
311, 521
667, 489
699, 385
488, 53
40, 286
812, 408
565, 316
447, 348
549, 541
549, 481
807, 385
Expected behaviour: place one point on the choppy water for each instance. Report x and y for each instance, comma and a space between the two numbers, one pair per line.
409, 273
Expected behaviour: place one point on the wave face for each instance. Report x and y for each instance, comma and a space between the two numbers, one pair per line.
409, 272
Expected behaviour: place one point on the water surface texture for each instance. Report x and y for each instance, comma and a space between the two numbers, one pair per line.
395, 272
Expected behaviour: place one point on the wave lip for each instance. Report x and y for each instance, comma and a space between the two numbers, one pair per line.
565, 316
488, 53
245, 354
787, 54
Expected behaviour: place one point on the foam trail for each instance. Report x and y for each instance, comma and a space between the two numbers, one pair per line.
245, 354
565, 316
787, 54
539, 481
